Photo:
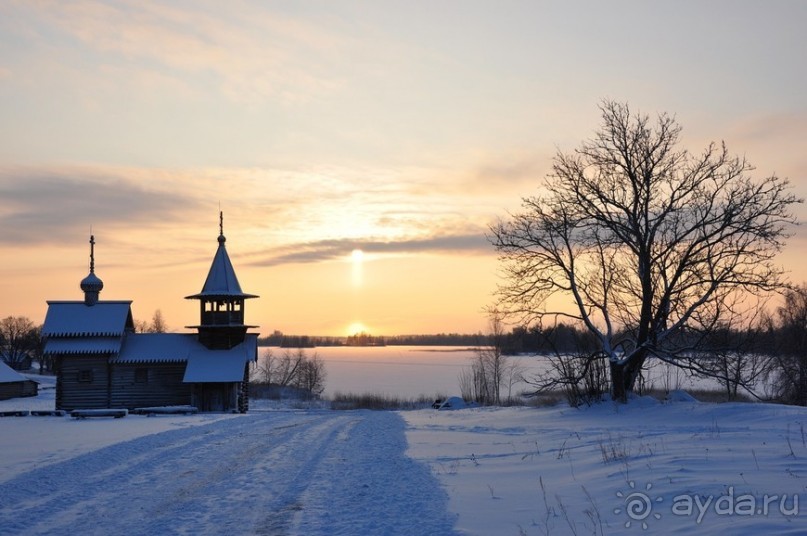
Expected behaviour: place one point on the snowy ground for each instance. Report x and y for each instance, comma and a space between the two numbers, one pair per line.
675, 468
268, 472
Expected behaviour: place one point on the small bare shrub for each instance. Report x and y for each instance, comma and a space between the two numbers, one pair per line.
581, 378
377, 401
613, 449
491, 371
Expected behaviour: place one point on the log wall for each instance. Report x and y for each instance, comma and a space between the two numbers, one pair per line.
163, 385
72, 393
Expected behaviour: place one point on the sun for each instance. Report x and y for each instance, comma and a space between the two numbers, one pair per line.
355, 328
357, 256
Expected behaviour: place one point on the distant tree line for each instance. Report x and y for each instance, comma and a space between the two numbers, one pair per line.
440, 339
560, 338
278, 338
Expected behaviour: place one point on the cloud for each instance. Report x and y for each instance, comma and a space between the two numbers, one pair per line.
525, 168
326, 250
249, 52
273, 216
46, 206
773, 128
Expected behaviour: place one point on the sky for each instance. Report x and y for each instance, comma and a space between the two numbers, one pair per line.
398, 129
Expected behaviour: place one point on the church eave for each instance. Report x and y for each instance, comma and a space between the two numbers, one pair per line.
221, 326
220, 295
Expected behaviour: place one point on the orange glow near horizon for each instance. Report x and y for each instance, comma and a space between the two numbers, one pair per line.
357, 328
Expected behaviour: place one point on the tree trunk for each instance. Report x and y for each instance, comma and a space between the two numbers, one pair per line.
624, 374
619, 382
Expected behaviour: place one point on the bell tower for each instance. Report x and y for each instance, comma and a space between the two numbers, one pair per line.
221, 302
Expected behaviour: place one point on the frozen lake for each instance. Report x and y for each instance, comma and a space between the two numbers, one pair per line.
403, 371
411, 371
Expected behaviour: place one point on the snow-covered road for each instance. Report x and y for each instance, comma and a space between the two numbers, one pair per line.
267, 473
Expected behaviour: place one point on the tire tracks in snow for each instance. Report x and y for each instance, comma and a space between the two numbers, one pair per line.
270, 474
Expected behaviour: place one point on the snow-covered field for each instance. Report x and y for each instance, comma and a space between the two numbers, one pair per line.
674, 468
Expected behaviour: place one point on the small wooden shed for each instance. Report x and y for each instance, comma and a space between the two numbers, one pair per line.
14, 385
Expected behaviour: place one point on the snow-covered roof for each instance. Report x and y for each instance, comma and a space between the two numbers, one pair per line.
9, 375
76, 319
83, 345
178, 347
221, 279
157, 347
206, 368
217, 365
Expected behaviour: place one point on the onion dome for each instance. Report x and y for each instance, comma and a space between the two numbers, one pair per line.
92, 284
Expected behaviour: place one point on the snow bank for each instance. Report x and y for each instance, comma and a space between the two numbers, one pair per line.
679, 395
613, 469
452, 402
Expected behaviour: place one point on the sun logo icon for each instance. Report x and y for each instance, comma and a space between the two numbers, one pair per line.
638, 506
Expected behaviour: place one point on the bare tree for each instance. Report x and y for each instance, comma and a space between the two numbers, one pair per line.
264, 371
573, 365
293, 368
730, 355
157, 324
789, 373
651, 244
19, 339
311, 376
287, 366
491, 369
